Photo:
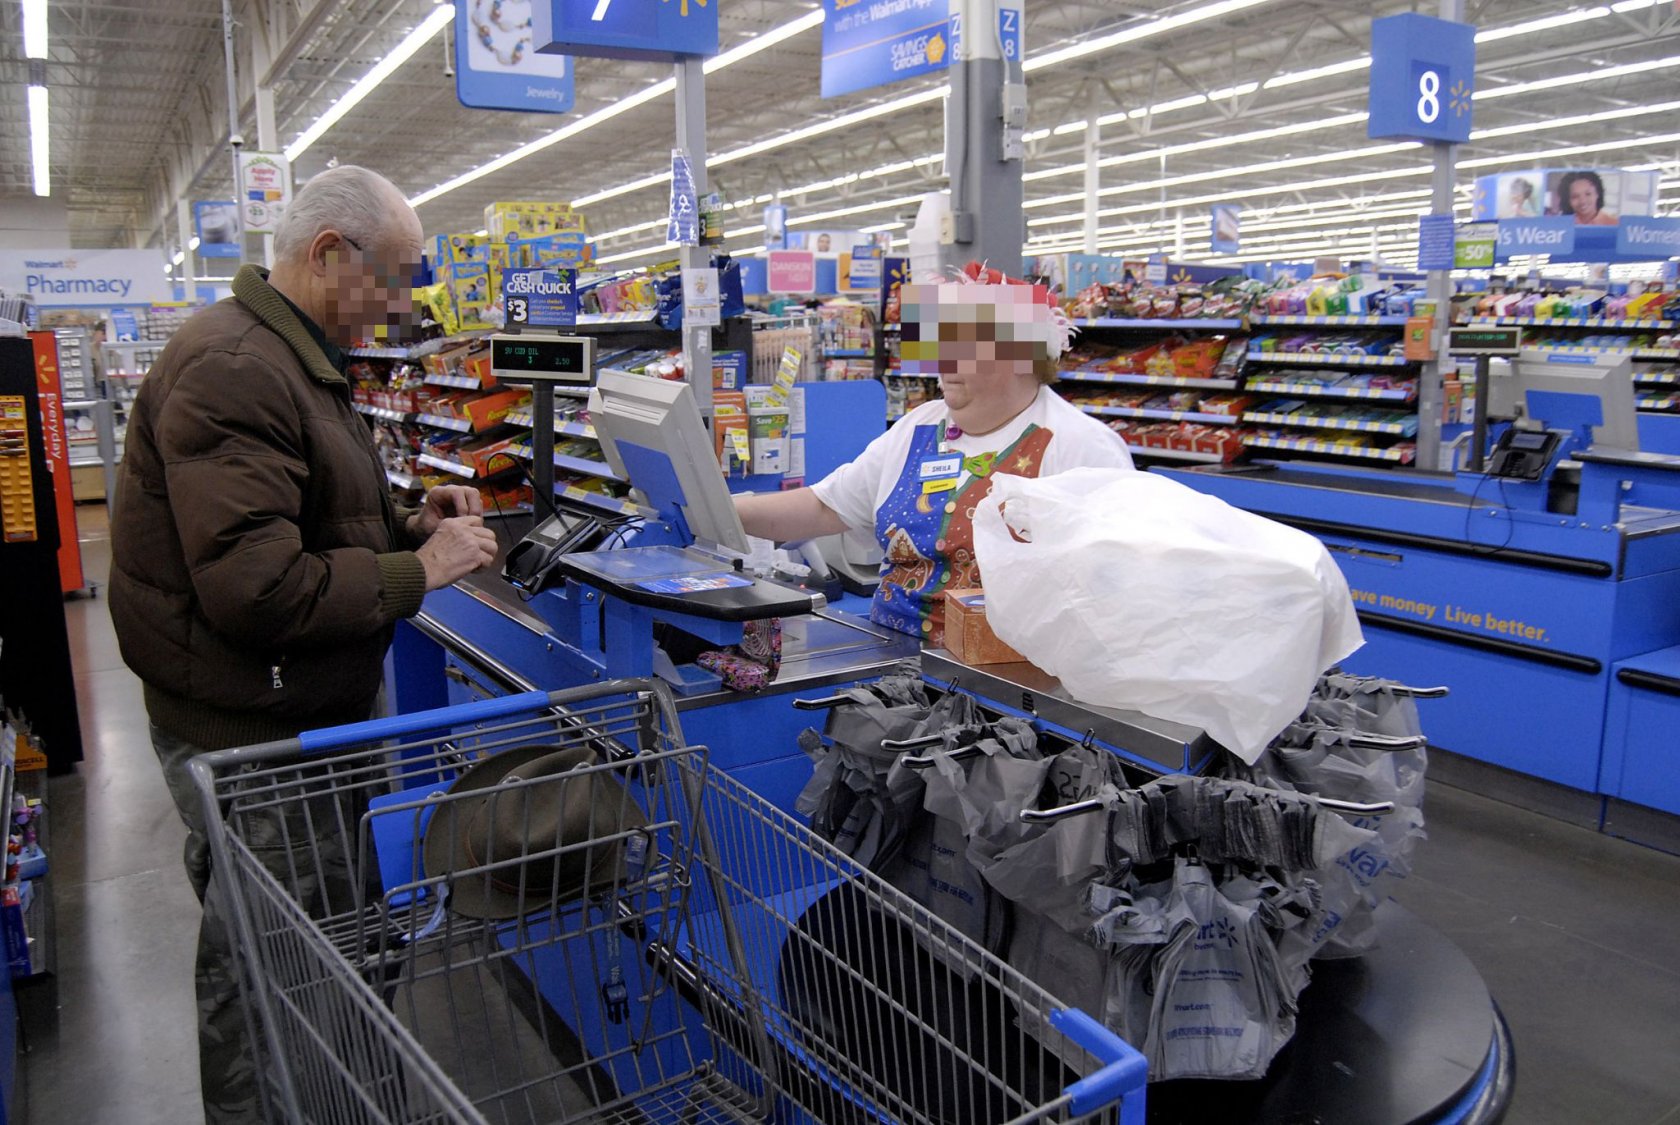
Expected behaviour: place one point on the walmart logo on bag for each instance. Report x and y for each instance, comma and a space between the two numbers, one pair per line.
1216, 932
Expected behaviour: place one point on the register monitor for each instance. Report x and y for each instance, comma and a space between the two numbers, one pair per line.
1526, 388
651, 432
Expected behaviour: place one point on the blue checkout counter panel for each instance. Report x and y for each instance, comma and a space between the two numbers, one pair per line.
1642, 732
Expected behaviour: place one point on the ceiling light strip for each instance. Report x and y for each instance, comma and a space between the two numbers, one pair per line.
434, 22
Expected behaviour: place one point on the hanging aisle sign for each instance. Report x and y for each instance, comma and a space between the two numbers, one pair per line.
497, 65
86, 278
660, 30
684, 225
1473, 247
1423, 77
265, 187
1226, 228
875, 42
1550, 235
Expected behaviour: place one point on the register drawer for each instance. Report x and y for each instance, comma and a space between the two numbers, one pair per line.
1641, 747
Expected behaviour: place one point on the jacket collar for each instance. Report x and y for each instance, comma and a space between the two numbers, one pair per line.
251, 289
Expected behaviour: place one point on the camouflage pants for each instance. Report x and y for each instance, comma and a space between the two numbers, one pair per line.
305, 849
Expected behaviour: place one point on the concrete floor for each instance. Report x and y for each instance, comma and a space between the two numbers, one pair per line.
1573, 931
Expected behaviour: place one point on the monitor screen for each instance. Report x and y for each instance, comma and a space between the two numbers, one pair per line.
653, 436
1607, 379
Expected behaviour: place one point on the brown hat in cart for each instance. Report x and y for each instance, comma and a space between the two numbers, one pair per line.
527, 814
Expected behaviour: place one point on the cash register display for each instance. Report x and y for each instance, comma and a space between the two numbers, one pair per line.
652, 435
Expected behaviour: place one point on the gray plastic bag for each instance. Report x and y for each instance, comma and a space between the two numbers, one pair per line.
1221, 1006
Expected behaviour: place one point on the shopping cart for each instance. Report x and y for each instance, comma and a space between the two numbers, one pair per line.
546, 907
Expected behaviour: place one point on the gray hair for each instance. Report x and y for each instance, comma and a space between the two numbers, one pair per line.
352, 200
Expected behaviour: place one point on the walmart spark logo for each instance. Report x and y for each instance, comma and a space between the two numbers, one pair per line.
1459, 98
683, 9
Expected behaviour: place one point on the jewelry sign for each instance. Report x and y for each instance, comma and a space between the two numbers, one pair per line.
497, 66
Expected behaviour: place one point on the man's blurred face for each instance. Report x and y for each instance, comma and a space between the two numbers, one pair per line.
369, 289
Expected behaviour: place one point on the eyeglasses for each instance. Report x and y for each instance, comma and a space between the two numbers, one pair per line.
405, 277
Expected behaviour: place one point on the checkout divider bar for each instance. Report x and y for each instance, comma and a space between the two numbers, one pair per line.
1573, 662
1591, 568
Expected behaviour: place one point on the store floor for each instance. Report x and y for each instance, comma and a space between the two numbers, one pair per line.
1574, 932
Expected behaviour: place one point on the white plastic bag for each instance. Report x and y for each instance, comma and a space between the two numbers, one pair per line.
1140, 593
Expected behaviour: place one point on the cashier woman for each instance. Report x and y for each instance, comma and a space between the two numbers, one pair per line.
993, 345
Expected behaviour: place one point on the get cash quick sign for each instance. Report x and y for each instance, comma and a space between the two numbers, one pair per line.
87, 278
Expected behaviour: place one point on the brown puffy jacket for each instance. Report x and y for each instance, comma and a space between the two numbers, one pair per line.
256, 562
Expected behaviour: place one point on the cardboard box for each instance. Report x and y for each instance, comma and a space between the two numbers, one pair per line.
968, 635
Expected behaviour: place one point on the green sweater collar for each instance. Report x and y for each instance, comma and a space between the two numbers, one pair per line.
251, 289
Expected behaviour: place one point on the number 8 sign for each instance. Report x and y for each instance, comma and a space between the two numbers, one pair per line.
1423, 77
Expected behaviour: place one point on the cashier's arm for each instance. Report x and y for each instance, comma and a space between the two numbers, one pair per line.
787, 517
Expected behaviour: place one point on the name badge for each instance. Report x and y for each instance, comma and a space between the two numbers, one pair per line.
937, 468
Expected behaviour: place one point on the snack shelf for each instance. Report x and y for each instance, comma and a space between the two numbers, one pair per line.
1330, 359
896, 373
1161, 415
1311, 445
1656, 378
849, 353
566, 461
1134, 380
1573, 322
1601, 349
464, 382
401, 480
1324, 390
1149, 322
1657, 400
609, 503
1321, 422
1259, 320
382, 413
440, 422
416, 351
1175, 454
570, 429
447, 465
377, 353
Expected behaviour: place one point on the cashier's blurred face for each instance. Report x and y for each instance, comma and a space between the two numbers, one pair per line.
974, 364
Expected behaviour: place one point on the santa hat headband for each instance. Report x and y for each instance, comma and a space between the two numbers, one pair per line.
1018, 310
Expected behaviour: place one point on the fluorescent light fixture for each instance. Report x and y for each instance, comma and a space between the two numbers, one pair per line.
34, 29
581, 125
369, 82
192, 244
763, 42
38, 151
1138, 32
584, 124
1597, 75
178, 258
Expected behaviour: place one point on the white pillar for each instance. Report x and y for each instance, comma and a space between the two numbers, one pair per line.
1093, 153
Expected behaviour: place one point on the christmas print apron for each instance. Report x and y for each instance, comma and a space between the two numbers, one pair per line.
926, 527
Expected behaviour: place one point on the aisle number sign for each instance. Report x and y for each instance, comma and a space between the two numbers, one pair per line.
660, 30
1423, 77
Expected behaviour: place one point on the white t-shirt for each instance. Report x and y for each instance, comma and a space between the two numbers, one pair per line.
854, 491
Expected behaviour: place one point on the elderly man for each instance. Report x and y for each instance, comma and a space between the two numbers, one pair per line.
258, 564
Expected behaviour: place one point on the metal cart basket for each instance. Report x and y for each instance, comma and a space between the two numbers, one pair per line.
547, 907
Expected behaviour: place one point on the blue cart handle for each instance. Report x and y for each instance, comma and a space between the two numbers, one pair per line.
1123, 1073
378, 730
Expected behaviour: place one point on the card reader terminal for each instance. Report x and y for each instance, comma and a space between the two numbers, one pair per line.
531, 565
1523, 454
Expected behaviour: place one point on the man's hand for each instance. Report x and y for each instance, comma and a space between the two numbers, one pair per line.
459, 546
444, 502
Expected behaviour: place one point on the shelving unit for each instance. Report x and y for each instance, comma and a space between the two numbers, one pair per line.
1260, 407
1657, 367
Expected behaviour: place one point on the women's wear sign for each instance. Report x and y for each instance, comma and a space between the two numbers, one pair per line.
265, 188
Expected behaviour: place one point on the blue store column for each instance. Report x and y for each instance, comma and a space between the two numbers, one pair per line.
985, 122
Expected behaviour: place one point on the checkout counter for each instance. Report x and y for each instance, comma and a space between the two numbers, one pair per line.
1542, 587
581, 600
